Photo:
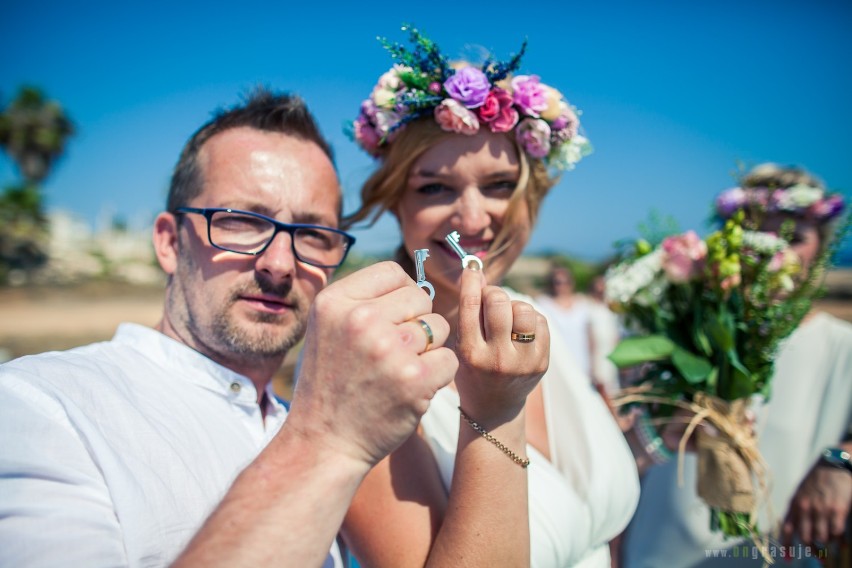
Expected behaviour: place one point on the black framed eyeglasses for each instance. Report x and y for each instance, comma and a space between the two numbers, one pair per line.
244, 232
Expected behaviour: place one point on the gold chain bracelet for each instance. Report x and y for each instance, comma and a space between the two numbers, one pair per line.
484, 433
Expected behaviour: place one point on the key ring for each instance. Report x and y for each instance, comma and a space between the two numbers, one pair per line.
420, 256
453, 240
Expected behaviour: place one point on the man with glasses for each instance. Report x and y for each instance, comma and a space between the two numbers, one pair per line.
168, 444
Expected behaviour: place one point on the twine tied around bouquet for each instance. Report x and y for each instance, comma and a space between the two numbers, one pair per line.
728, 455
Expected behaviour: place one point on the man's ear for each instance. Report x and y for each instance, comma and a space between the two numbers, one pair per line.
165, 239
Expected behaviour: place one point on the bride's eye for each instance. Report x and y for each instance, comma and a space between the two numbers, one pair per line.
500, 187
432, 188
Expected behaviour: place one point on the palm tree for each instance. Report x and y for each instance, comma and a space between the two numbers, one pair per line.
33, 132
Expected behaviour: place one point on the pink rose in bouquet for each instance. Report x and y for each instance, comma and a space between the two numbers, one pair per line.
683, 257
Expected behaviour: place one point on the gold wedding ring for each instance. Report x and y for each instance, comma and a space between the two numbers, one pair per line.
430, 337
523, 337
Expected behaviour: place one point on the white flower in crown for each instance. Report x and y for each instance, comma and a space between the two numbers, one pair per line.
798, 197
763, 242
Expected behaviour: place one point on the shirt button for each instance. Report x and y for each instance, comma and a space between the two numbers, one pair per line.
236, 387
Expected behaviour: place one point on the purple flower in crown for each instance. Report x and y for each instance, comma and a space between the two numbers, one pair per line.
469, 86
529, 94
828, 208
567, 123
533, 135
368, 109
730, 200
453, 117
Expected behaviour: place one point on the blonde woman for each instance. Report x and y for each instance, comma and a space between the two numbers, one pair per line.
472, 151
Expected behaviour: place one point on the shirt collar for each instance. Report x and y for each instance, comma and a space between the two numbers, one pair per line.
192, 366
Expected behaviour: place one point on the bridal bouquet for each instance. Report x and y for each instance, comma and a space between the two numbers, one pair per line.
709, 315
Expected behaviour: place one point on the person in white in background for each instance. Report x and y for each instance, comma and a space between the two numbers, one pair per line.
570, 312
804, 429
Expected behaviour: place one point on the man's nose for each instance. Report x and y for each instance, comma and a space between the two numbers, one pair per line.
279, 259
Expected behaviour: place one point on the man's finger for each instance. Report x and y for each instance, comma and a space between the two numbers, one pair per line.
423, 333
403, 303
373, 281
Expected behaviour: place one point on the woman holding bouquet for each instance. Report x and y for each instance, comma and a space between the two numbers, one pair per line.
808, 414
464, 151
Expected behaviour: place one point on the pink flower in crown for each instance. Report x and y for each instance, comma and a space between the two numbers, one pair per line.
757, 197
529, 94
385, 121
469, 86
775, 200
683, 257
498, 111
453, 117
567, 122
365, 134
533, 135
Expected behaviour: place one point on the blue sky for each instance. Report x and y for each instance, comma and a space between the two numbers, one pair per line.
674, 94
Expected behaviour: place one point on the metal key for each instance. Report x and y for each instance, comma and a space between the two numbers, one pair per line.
420, 256
453, 240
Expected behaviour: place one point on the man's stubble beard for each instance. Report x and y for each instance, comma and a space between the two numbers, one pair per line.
263, 336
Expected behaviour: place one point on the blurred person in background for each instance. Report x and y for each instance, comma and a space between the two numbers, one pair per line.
805, 429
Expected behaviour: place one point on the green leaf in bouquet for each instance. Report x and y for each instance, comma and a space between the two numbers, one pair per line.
712, 380
740, 383
721, 330
636, 350
699, 337
694, 368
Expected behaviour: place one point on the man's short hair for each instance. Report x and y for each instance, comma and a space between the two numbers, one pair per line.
263, 110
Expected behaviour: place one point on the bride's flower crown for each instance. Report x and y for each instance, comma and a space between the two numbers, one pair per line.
800, 200
464, 99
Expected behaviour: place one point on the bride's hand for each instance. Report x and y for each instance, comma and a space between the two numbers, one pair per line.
496, 371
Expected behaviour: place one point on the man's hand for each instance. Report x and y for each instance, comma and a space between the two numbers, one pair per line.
820, 507
367, 376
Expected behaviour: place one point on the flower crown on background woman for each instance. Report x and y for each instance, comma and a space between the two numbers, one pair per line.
466, 98
800, 200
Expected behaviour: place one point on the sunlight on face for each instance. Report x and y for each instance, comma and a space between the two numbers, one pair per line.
464, 184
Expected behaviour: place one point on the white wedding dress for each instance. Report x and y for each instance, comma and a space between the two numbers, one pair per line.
587, 493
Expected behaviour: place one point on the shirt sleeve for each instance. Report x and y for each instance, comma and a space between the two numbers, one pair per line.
55, 508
